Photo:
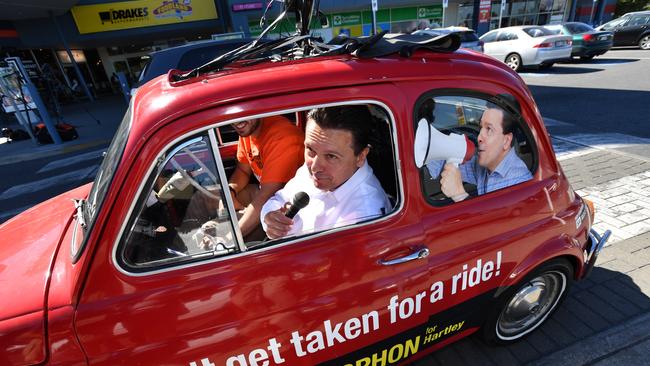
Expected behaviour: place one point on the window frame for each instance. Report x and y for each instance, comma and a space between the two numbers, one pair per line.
519, 120
152, 172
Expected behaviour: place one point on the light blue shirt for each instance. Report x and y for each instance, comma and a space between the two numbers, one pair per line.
510, 171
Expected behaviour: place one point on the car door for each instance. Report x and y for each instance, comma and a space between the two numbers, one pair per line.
476, 242
301, 301
628, 34
507, 42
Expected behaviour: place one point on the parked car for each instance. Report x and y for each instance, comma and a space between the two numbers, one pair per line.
119, 271
587, 42
184, 57
468, 37
631, 29
525, 46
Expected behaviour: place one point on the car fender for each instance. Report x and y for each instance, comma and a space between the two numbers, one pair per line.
562, 246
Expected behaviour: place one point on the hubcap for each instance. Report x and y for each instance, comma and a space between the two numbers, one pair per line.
513, 62
645, 42
530, 305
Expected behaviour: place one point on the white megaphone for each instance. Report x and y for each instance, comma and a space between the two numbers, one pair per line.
431, 144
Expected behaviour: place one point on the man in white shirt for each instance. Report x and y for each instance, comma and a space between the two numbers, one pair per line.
336, 176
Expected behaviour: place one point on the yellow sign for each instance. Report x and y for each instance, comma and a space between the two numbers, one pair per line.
140, 13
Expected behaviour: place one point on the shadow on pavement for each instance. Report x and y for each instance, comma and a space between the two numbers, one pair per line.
592, 110
606, 299
559, 69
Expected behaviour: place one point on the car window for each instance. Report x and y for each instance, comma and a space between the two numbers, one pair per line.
555, 29
616, 23
184, 216
506, 36
468, 36
577, 28
200, 56
537, 32
489, 37
639, 20
452, 121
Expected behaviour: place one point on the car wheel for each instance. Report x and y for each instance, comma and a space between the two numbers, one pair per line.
525, 306
586, 58
513, 61
644, 42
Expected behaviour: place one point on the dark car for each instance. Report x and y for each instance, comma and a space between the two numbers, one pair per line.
632, 29
468, 37
587, 42
185, 57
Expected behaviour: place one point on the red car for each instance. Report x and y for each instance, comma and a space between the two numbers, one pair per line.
129, 272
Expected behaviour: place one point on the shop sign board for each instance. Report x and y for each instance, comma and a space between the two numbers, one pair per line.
484, 11
430, 12
341, 19
140, 13
247, 6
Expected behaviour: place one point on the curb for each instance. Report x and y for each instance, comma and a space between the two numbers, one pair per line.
51, 150
601, 345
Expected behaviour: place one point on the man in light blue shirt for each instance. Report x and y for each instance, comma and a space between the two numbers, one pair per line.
496, 165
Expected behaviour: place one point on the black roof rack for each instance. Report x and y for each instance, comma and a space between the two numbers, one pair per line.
303, 45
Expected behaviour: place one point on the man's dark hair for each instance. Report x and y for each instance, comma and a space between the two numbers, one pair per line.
353, 118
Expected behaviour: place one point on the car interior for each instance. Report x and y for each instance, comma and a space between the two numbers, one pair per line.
184, 214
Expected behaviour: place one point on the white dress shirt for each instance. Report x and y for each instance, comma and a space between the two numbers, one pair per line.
360, 198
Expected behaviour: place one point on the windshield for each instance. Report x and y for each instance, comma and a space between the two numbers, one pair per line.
537, 32
107, 169
577, 28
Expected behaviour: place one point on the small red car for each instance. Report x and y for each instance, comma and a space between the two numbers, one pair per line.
119, 272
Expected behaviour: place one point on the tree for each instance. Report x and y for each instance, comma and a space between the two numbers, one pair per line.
626, 6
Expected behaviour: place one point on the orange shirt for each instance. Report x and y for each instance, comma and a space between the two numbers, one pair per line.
275, 153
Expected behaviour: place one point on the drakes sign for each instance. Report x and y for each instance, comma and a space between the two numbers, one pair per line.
140, 13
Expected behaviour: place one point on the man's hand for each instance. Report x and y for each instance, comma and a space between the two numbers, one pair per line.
277, 224
452, 183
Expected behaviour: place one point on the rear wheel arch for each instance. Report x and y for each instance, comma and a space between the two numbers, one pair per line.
523, 307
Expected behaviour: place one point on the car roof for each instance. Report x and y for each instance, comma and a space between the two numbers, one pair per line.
163, 99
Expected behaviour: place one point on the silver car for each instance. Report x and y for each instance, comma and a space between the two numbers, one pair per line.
527, 45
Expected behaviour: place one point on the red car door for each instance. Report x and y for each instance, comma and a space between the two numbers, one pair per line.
306, 301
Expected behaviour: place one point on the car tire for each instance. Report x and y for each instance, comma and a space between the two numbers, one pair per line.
513, 61
526, 305
644, 42
587, 58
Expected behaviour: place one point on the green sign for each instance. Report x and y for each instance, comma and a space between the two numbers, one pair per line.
428, 12
346, 19
383, 16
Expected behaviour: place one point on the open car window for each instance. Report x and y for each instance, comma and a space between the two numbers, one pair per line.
458, 133
186, 213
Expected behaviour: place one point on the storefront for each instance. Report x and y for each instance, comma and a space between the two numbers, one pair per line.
113, 36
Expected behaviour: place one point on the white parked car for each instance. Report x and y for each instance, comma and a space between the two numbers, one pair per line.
527, 45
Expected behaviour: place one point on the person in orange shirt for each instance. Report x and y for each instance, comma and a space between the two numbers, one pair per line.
270, 148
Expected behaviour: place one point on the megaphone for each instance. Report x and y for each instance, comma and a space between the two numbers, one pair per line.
431, 144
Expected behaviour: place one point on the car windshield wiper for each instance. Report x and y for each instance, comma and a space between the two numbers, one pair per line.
80, 215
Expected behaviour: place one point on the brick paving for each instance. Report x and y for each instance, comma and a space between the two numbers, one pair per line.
617, 292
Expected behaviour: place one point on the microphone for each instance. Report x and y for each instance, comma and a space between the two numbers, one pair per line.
300, 200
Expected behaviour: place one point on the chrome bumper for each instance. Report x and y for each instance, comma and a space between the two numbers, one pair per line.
596, 243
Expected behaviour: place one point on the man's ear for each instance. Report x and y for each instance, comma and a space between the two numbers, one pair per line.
507, 143
362, 156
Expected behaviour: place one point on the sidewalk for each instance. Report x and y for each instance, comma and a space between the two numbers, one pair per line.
96, 122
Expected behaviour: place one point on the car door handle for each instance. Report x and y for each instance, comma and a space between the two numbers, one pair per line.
419, 253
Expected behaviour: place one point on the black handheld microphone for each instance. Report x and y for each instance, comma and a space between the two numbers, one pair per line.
300, 200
